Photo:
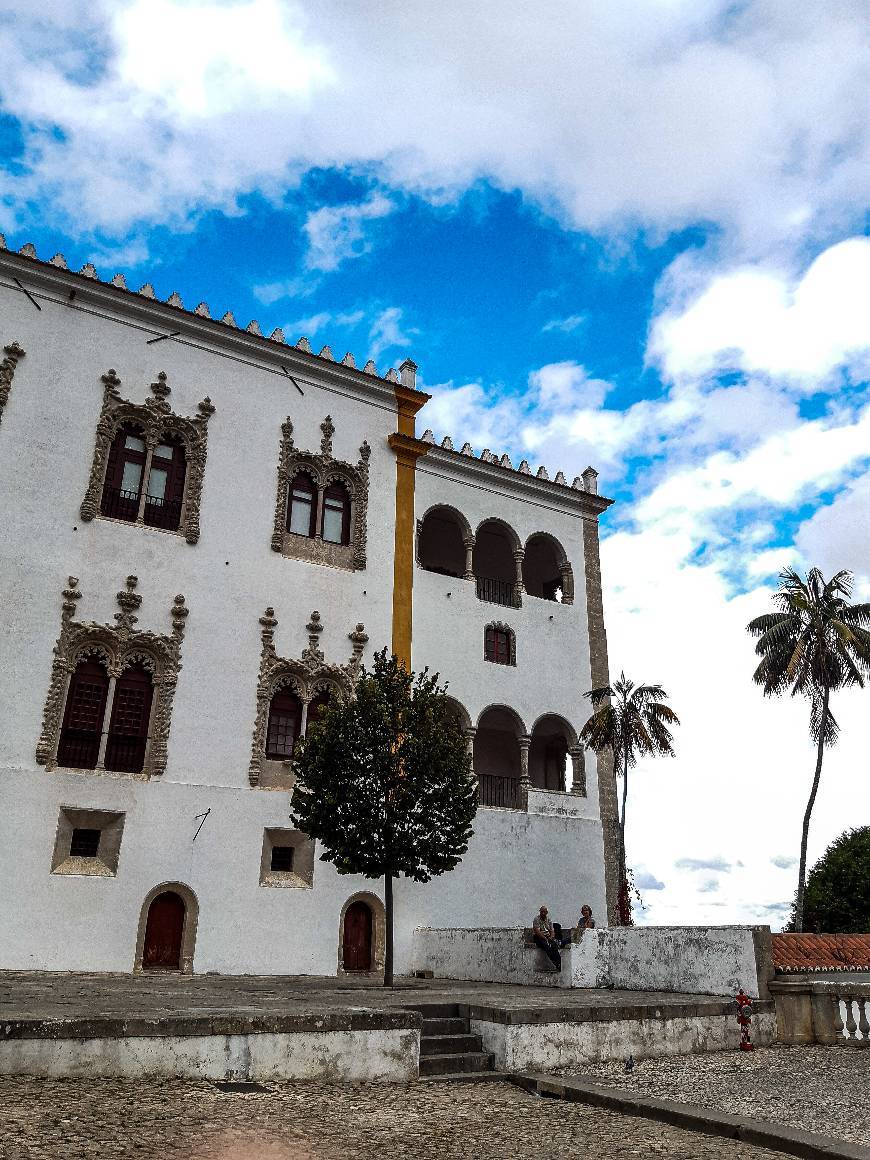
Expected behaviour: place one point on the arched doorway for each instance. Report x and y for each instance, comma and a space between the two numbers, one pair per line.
164, 931
167, 929
361, 935
357, 938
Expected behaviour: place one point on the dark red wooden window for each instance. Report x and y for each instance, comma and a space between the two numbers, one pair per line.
83, 717
335, 527
122, 486
165, 493
498, 646
302, 506
128, 728
316, 706
285, 718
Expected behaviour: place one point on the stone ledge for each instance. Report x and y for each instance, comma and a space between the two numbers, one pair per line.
693, 1007
765, 1134
186, 1026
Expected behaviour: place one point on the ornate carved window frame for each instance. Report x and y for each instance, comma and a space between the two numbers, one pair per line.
323, 469
307, 677
118, 646
500, 626
157, 419
13, 354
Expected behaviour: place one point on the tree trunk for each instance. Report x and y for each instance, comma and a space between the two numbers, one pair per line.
388, 933
802, 869
624, 903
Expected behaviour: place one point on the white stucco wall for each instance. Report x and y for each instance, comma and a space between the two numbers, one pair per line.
718, 960
334, 1055
515, 861
544, 1046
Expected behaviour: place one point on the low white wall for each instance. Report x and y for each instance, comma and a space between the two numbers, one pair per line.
544, 1046
689, 960
337, 1055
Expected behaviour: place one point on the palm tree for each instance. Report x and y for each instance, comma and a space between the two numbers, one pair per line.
815, 643
631, 721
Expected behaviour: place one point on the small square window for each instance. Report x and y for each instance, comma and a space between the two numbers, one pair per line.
84, 843
282, 859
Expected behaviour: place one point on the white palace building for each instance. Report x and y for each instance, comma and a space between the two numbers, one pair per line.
204, 534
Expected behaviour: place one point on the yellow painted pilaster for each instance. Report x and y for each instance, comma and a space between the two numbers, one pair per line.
408, 450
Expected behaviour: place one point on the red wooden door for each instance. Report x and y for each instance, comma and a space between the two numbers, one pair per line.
163, 931
357, 937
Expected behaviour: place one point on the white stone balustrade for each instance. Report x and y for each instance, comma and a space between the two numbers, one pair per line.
829, 1011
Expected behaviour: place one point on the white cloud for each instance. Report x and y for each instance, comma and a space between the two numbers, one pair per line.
762, 321
337, 232
315, 323
650, 112
782, 862
566, 325
644, 880
387, 333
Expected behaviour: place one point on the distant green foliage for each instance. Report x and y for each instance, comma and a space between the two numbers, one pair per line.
837, 898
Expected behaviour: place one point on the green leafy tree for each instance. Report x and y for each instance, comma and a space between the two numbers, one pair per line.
837, 897
384, 782
632, 721
815, 643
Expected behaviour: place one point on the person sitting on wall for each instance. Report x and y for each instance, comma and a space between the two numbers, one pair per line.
544, 936
586, 922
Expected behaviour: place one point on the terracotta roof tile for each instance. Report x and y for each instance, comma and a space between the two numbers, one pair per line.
821, 952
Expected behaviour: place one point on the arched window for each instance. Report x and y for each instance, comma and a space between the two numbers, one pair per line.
131, 714
165, 492
495, 568
125, 465
499, 645
83, 718
497, 762
335, 527
302, 509
285, 720
316, 706
548, 754
545, 570
441, 542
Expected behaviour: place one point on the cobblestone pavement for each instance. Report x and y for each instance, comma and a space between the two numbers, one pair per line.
819, 1089
183, 1120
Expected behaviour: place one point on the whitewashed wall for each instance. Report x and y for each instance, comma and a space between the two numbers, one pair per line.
47, 434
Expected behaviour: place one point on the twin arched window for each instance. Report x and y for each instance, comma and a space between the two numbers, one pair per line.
287, 716
85, 727
334, 515
138, 485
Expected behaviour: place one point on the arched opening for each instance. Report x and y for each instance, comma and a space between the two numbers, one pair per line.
441, 542
83, 716
494, 564
131, 715
125, 465
497, 763
335, 524
457, 711
285, 723
357, 937
302, 506
164, 933
543, 568
548, 753
167, 929
164, 496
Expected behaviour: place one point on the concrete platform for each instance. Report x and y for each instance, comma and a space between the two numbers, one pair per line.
286, 1027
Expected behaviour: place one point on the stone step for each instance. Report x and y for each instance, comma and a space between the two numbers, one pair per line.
450, 1044
436, 1010
469, 1062
466, 1077
444, 1027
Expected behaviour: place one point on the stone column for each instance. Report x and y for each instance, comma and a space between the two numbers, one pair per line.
468, 543
578, 770
567, 584
150, 444
519, 556
107, 717
524, 742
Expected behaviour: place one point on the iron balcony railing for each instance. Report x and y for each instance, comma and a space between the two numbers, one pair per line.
125, 754
120, 505
496, 591
162, 513
78, 749
497, 790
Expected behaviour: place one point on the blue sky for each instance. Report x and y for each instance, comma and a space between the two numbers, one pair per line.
630, 235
